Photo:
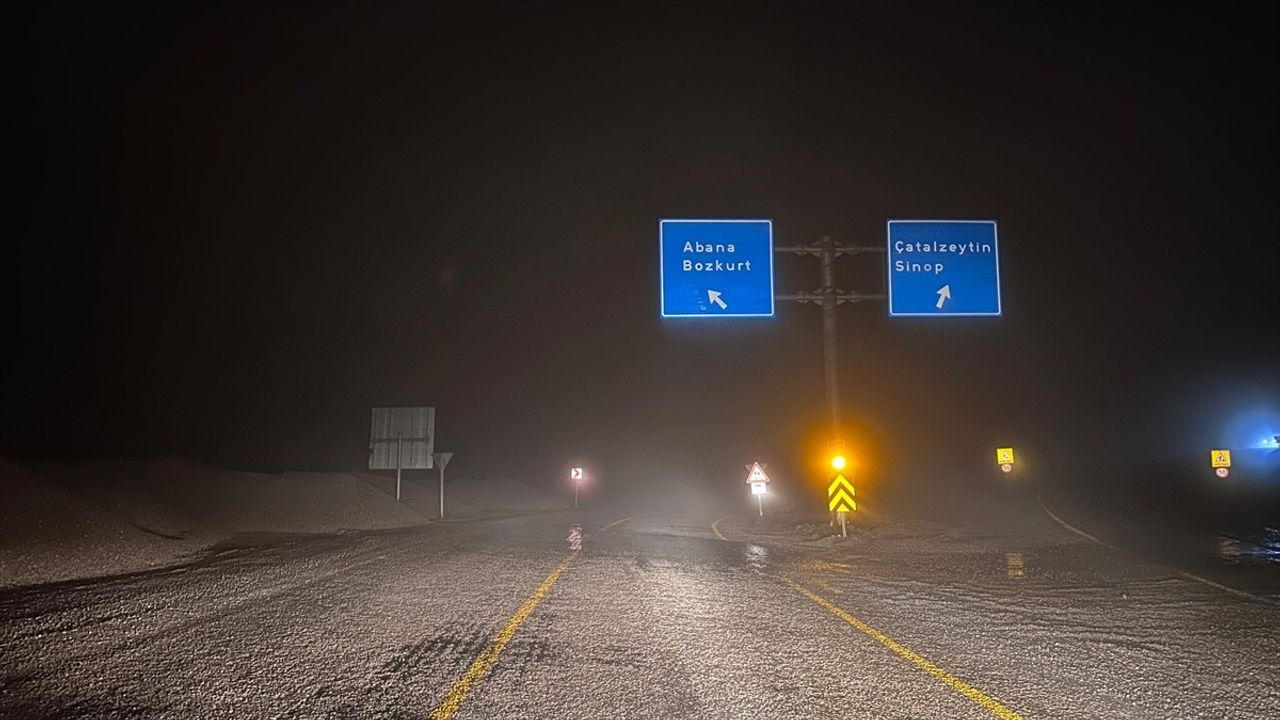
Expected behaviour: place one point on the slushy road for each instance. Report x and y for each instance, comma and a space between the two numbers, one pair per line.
656, 617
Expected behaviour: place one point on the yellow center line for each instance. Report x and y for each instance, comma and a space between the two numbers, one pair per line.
955, 683
618, 522
484, 663
715, 528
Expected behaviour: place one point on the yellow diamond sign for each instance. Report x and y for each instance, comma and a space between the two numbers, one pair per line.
840, 495
1004, 456
1220, 458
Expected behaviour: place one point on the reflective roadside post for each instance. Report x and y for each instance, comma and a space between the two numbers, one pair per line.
442, 459
576, 475
759, 483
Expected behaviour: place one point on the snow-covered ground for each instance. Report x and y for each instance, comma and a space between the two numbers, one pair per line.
656, 617
67, 521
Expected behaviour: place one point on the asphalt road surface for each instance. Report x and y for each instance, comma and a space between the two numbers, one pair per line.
656, 617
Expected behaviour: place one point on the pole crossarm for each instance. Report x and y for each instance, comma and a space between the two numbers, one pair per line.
816, 297
838, 249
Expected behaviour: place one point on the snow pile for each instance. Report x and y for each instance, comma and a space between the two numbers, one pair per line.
49, 533
65, 520
78, 520
180, 498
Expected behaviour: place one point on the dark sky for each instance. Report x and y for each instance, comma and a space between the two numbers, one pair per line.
241, 227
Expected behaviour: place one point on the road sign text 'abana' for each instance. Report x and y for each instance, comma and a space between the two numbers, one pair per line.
716, 268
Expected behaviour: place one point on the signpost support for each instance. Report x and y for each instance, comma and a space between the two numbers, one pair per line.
844, 531
441, 460
828, 258
399, 456
827, 250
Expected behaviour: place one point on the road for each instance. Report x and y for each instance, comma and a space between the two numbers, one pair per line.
658, 616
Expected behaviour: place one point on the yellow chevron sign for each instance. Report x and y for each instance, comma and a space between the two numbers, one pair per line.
840, 495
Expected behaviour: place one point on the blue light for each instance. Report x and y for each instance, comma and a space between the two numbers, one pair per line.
1253, 433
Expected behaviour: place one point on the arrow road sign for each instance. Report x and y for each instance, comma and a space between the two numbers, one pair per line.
716, 268
840, 495
943, 267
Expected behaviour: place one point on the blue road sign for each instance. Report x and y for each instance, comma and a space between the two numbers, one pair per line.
943, 267
716, 268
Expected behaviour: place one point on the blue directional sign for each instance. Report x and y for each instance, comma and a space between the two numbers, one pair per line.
943, 267
716, 268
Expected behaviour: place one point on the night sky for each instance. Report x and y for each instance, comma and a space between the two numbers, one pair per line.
241, 227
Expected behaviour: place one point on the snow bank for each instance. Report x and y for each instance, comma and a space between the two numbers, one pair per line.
48, 533
76, 520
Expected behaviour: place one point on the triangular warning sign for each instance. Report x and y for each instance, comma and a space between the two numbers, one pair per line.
756, 474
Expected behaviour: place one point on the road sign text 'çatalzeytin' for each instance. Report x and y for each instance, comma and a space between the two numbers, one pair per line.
715, 268
943, 267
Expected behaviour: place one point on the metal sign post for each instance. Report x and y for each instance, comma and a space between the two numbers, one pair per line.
577, 476
759, 483
759, 489
441, 460
828, 296
399, 457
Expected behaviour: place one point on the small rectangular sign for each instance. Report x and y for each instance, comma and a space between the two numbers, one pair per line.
715, 268
1004, 456
943, 267
1220, 458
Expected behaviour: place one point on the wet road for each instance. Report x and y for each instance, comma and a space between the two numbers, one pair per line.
656, 617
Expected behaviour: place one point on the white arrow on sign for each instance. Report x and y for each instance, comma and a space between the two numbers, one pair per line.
714, 296
944, 294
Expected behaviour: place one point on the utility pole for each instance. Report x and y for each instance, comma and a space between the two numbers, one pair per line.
829, 296
828, 258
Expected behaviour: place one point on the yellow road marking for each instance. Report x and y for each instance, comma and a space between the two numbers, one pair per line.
828, 587
955, 683
715, 527
618, 522
484, 663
